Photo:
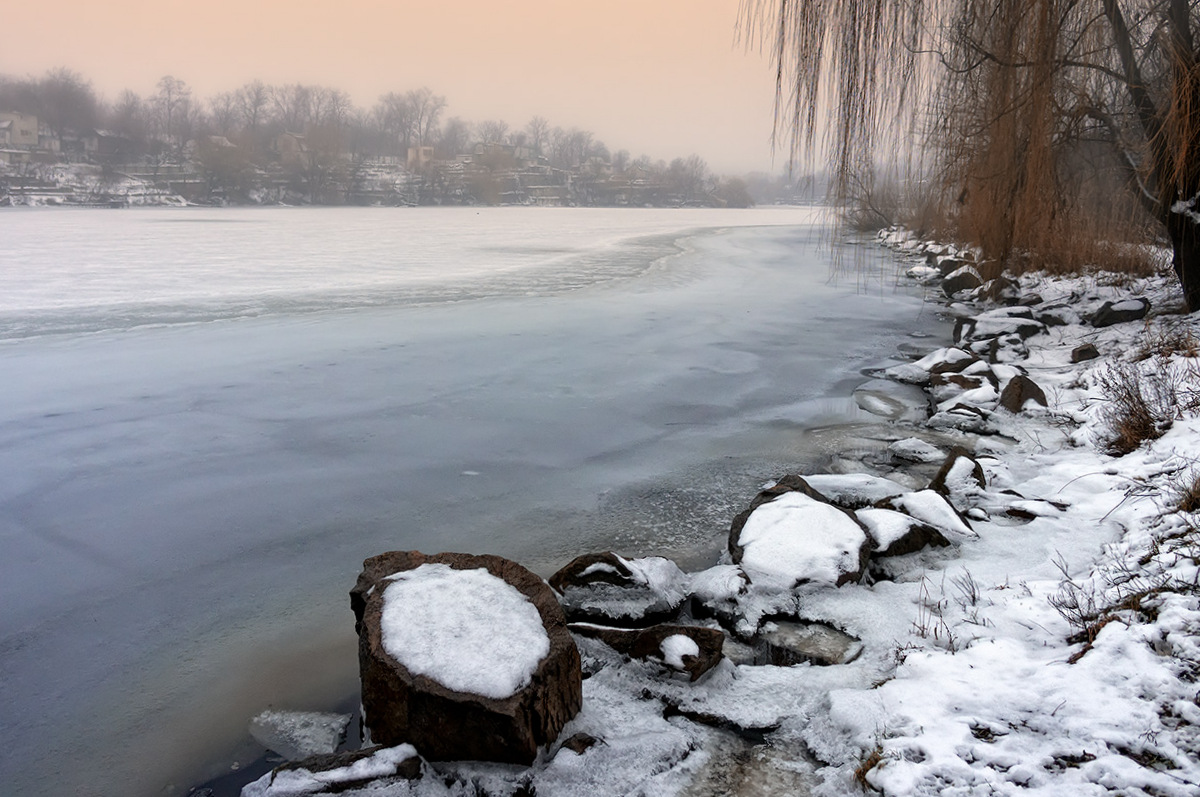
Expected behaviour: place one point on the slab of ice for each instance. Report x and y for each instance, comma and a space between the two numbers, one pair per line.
466, 629
795, 538
914, 449
853, 489
291, 782
299, 734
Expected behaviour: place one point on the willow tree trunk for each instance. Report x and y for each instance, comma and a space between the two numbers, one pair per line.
1184, 232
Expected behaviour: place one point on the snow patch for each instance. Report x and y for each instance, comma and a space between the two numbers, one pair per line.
466, 629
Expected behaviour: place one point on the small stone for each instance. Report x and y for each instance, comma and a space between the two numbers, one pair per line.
1019, 390
1086, 351
580, 743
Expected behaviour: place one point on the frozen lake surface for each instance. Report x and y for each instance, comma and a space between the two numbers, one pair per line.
210, 417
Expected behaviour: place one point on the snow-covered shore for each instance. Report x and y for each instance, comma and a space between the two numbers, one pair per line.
1052, 650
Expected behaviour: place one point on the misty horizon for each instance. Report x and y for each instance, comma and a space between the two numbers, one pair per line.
667, 79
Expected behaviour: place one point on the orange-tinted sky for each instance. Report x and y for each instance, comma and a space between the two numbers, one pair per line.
659, 77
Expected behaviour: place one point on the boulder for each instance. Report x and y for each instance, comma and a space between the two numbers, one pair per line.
464, 657
958, 473
914, 449
948, 265
999, 322
1120, 312
378, 767
896, 534
1019, 390
686, 649
931, 508
895, 401
962, 417
593, 568
1086, 351
965, 278
1001, 290
609, 589
792, 535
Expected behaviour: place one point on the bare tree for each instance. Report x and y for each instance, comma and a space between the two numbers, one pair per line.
454, 139
224, 113
66, 101
393, 116
253, 100
492, 131
539, 131
173, 110
425, 108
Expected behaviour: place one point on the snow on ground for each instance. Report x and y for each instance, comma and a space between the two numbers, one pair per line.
1053, 649
442, 623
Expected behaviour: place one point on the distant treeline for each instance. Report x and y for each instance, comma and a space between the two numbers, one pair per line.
262, 142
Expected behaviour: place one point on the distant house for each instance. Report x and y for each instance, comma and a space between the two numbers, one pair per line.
18, 130
10, 156
291, 147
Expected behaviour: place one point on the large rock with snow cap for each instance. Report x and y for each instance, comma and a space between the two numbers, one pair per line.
1121, 312
609, 589
792, 535
464, 657
965, 278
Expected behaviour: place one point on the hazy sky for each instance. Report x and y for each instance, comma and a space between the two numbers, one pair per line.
659, 77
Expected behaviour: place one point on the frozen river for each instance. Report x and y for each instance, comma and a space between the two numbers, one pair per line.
210, 417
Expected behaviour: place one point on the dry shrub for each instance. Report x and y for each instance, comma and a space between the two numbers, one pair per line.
1168, 340
1188, 493
1141, 406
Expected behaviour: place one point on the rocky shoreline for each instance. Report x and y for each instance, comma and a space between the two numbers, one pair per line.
877, 628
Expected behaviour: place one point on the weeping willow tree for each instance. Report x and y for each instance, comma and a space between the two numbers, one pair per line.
1049, 133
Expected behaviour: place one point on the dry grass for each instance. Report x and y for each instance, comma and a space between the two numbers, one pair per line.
1142, 403
1140, 408
1187, 498
1168, 340
872, 760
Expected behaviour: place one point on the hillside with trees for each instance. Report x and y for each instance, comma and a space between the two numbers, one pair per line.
299, 143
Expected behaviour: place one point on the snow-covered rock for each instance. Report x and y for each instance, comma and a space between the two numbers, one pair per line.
465, 657
605, 587
796, 539
932, 508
